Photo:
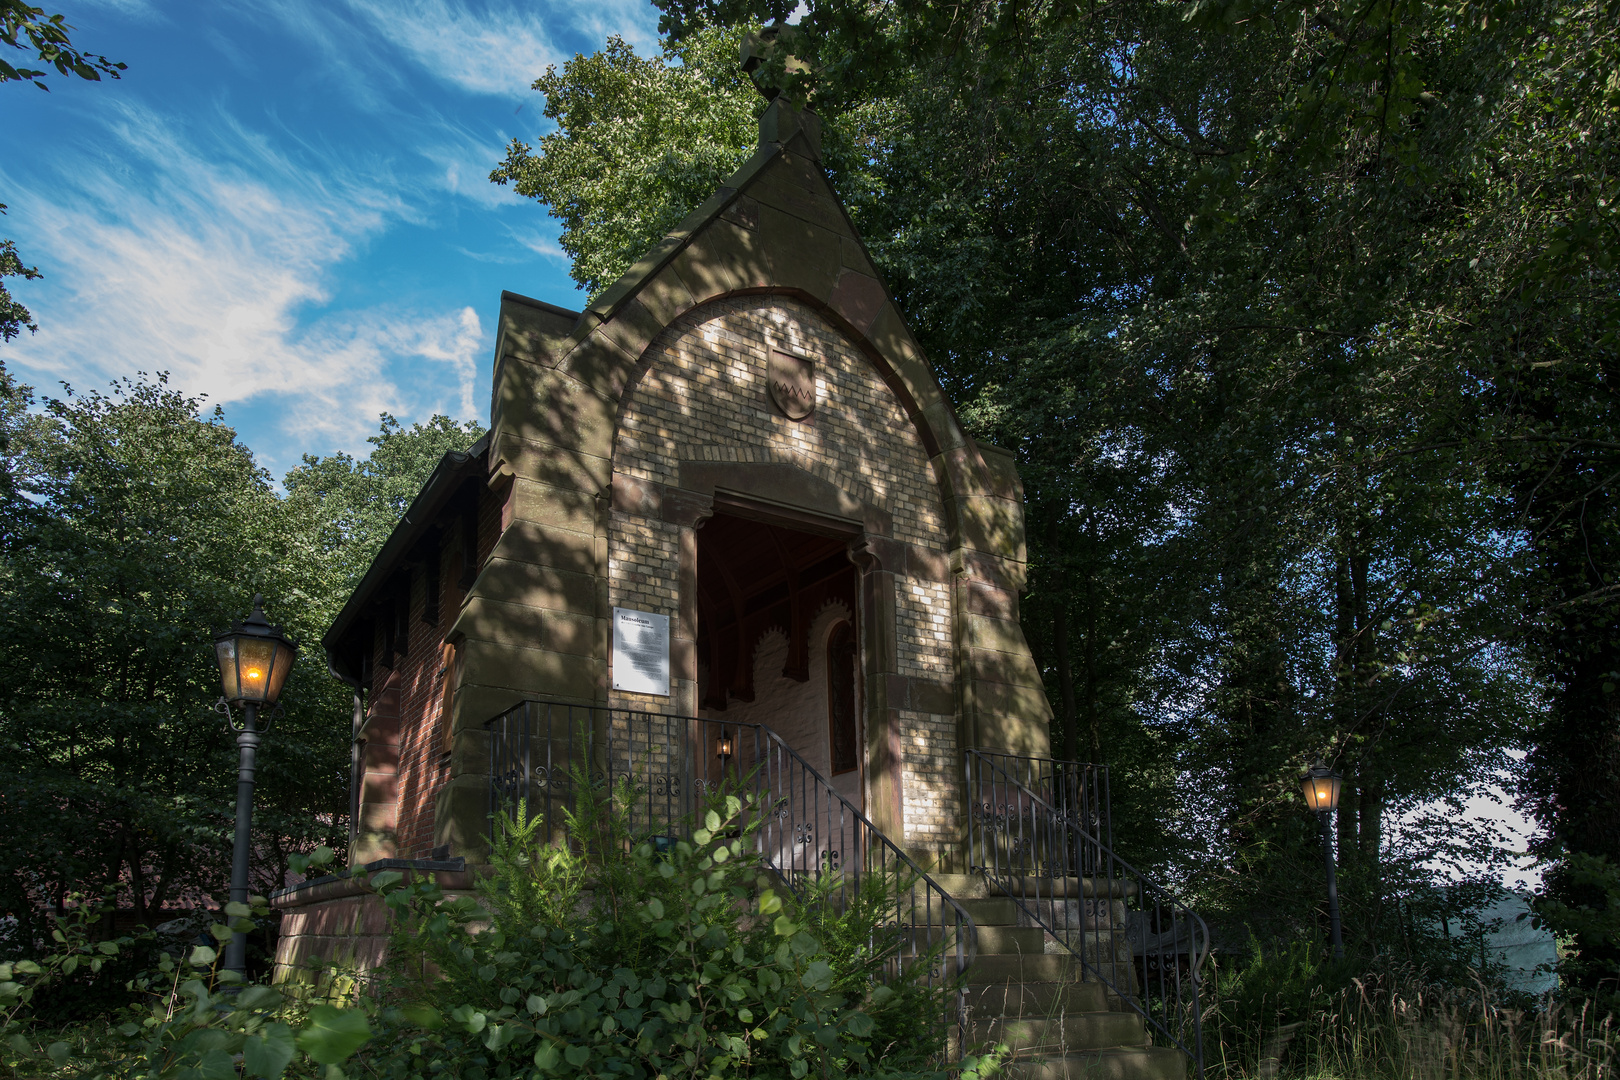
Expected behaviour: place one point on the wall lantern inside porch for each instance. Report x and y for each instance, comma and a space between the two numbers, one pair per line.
725, 747
254, 660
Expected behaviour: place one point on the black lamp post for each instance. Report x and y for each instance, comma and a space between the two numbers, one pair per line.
1321, 787
254, 659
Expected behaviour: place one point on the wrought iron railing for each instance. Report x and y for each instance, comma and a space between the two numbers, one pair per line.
1042, 844
810, 834
1079, 788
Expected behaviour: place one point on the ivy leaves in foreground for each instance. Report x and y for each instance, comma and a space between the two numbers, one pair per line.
197, 1021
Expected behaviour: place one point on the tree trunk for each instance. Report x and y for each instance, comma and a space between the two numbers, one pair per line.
1060, 645
1344, 681
1092, 720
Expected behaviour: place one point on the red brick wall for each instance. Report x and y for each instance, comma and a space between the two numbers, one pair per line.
423, 766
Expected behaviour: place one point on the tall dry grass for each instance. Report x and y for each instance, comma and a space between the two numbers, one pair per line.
1398, 1026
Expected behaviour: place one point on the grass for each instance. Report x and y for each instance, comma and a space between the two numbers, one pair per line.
1397, 1026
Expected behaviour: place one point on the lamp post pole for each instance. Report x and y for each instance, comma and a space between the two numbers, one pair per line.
1323, 818
1320, 785
254, 661
247, 745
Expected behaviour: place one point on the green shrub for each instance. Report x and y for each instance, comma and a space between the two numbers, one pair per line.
612, 957
196, 1020
1253, 1007
618, 957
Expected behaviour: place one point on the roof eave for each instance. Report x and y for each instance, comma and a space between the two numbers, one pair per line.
453, 469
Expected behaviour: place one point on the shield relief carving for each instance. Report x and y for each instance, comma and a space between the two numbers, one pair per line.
792, 382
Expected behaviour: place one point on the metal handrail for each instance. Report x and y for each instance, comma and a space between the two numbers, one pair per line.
1079, 787
809, 829
1066, 880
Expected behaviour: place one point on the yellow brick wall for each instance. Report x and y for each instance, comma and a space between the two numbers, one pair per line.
703, 397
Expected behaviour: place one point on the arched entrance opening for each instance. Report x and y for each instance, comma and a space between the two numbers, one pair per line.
778, 639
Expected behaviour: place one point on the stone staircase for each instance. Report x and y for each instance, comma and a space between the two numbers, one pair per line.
1026, 990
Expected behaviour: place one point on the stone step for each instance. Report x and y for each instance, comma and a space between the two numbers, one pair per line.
1034, 999
963, 887
1011, 940
1062, 1034
999, 911
1040, 967
993, 940
1120, 1063
976, 887
1044, 888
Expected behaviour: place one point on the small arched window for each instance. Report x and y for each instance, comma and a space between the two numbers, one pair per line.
841, 720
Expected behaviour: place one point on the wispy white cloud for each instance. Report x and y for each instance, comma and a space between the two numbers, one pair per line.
461, 162
544, 244
501, 48
129, 9
526, 244
213, 258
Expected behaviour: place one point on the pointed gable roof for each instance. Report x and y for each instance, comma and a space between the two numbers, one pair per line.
775, 226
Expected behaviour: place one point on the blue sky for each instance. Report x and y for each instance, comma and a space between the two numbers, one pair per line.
286, 205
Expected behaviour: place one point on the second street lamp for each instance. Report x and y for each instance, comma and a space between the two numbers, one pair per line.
1321, 787
254, 660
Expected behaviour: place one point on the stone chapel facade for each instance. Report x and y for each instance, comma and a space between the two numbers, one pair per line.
740, 435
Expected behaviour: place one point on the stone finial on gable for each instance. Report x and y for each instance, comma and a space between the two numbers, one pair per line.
768, 59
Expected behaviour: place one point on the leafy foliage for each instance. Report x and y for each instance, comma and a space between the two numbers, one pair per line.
134, 526
14, 317
25, 27
616, 955
195, 1022
351, 506
653, 137
143, 526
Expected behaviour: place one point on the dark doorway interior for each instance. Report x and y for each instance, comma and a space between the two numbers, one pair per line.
752, 577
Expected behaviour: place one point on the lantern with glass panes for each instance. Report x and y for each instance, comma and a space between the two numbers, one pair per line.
254, 661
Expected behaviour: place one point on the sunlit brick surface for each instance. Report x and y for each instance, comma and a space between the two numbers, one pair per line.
703, 397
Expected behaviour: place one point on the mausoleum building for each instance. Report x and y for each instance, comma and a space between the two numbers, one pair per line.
728, 493
741, 437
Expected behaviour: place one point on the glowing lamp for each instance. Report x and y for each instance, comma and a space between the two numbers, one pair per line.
1321, 787
254, 659
725, 747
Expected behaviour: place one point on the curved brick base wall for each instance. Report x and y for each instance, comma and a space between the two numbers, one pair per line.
342, 922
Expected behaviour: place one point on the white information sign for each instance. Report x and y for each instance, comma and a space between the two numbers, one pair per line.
640, 652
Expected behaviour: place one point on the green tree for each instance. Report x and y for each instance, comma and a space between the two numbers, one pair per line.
651, 137
142, 527
349, 506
